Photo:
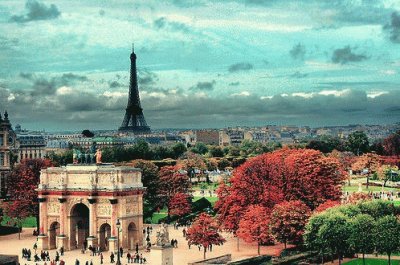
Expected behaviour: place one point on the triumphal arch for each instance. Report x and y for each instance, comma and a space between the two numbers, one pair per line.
81, 204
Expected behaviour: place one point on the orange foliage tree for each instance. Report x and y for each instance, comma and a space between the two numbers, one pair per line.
22, 185
179, 205
254, 226
288, 220
283, 175
204, 232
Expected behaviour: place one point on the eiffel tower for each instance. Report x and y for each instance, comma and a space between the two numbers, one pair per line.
134, 121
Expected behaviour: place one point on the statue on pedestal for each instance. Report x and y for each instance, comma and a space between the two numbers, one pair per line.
162, 235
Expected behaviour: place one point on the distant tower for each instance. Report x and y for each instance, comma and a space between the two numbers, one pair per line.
134, 119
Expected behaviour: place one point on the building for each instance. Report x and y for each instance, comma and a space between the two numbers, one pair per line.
231, 137
7, 145
30, 146
79, 203
207, 137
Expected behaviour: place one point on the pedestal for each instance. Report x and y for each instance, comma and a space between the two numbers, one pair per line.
43, 242
92, 241
112, 245
162, 255
61, 241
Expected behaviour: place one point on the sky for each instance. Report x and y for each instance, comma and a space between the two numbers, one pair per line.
64, 64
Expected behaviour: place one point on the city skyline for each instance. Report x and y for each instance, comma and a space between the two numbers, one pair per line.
201, 64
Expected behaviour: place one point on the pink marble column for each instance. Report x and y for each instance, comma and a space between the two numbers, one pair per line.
63, 215
43, 216
114, 216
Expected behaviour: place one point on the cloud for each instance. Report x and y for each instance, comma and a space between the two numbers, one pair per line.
297, 74
164, 23
115, 84
240, 67
37, 11
298, 52
346, 55
234, 83
147, 78
102, 12
393, 28
204, 86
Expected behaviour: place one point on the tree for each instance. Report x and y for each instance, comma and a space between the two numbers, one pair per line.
335, 232
172, 181
87, 133
204, 232
23, 182
358, 143
368, 161
216, 151
286, 174
150, 180
191, 162
254, 226
18, 210
178, 149
361, 238
179, 204
387, 235
199, 148
311, 236
326, 205
288, 220
391, 144
385, 173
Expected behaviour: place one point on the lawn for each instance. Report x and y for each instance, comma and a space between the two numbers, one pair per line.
212, 200
27, 222
372, 262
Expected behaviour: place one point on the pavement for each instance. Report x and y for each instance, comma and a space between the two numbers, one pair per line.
182, 255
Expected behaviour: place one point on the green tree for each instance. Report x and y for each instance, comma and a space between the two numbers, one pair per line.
387, 235
358, 143
151, 181
335, 233
361, 238
200, 148
216, 151
311, 237
178, 149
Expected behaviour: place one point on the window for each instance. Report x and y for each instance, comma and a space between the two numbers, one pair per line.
1, 140
1, 159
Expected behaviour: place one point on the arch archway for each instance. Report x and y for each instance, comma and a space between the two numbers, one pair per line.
54, 231
79, 225
104, 235
132, 236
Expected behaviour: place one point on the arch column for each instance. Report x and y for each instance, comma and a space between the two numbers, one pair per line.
92, 239
43, 239
112, 241
62, 238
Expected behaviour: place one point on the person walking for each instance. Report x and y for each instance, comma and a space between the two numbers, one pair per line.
76, 262
112, 257
101, 258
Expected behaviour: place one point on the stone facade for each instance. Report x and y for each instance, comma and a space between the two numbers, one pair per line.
82, 203
7, 145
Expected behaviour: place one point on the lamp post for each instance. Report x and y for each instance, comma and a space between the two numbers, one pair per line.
118, 224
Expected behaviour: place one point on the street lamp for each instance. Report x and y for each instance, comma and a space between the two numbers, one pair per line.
118, 224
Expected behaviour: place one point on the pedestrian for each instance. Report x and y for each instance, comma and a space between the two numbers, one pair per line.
112, 257
76, 262
184, 232
91, 262
128, 256
87, 263
101, 258
121, 251
137, 248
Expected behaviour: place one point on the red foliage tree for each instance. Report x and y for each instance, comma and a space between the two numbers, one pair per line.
171, 182
286, 174
204, 232
288, 220
254, 226
326, 205
391, 144
23, 181
179, 204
